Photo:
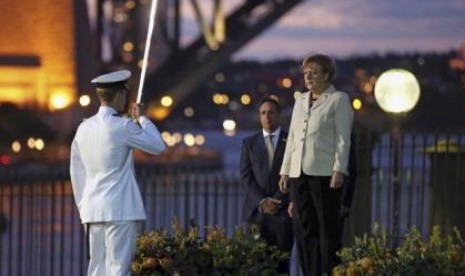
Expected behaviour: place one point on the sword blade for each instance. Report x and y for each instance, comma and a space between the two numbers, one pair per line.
148, 41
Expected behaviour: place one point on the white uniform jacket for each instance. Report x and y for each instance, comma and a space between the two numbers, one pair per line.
102, 166
319, 137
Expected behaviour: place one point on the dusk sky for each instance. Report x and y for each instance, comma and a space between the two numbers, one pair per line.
360, 27
344, 28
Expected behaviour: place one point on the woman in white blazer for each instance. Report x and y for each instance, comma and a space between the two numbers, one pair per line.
315, 161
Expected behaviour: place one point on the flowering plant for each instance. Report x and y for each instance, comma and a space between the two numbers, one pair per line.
440, 255
185, 253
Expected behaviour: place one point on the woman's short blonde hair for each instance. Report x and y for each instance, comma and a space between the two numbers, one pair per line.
326, 63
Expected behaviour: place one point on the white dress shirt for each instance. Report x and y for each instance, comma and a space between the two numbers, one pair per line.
275, 134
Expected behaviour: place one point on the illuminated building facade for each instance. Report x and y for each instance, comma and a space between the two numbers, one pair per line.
37, 54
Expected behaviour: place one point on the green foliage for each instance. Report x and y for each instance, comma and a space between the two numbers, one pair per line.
185, 253
439, 255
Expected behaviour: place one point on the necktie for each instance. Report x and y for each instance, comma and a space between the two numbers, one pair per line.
269, 148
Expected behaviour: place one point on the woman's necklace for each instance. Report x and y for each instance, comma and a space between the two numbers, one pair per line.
313, 98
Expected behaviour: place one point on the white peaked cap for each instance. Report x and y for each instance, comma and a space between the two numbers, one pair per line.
112, 78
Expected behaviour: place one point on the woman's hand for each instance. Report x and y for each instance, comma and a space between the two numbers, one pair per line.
336, 180
290, 209
283, 184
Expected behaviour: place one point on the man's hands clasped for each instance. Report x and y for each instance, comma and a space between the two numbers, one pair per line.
269, 206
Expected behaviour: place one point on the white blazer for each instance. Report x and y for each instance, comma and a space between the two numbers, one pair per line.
102, 166
319, 138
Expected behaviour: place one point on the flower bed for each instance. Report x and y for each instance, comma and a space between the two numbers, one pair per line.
185, 253
439, 255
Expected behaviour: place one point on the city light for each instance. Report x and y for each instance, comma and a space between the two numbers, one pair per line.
16, 146
189, 112
84, 100
199, 139
217, 99
368, 87
130, 4
233, 105
229, 125
357, 104
245, 99
165, 135
169, 140
158, 113
39, 144
120, 17
4, 160
421, 61
128, 46
287, 82
31, 142
220, 99
189, 139
225, 98
297, 94
166, 101
59, 100
177, 137
219, 77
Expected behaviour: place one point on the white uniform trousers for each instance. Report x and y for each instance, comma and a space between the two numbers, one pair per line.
111, 247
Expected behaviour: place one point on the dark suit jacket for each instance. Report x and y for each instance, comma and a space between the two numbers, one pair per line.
257, 180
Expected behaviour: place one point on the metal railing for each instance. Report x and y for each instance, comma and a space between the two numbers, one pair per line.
40, 231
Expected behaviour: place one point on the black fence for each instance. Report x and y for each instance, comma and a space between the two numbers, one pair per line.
403, 181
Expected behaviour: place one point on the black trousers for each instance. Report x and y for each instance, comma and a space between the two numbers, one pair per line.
317, 226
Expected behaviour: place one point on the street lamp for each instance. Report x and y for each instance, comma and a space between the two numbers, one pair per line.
396, 91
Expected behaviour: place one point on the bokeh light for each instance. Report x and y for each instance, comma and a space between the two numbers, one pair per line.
357, 104
59, 100
166, 101
229, 125
16, 146
84, 100
189, 112
199, 139
245, 99
189, 139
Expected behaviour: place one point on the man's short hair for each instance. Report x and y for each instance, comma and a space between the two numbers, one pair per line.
270, 99
108, 93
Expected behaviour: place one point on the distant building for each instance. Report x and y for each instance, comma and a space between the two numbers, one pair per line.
37, 54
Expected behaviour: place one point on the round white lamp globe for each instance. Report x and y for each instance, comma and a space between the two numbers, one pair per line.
397, 90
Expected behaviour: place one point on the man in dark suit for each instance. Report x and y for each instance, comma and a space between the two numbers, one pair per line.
261, 158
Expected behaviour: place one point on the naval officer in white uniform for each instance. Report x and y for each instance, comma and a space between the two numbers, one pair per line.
103, 178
